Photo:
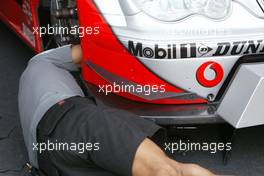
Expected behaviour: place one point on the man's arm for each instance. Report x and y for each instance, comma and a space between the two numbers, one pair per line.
66, 57
45, 82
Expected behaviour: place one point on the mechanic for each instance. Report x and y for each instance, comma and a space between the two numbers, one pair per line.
54, 108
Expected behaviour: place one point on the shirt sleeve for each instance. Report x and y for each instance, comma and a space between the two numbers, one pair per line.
45, 82
60, 57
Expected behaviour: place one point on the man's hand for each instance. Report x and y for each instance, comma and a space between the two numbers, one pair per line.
150, 160
76, 52
194, 170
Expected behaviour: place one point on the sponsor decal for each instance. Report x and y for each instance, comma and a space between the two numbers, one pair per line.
201, 76
194, 50
203, 49
239, 48
172, 51
261, 4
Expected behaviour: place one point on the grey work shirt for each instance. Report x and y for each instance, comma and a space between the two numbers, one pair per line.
45, 82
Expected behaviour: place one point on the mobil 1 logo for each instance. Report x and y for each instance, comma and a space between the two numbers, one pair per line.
195, 50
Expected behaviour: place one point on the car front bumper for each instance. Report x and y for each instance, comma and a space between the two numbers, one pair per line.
240, 105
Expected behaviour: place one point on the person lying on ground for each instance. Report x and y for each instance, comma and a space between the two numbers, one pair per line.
54, 109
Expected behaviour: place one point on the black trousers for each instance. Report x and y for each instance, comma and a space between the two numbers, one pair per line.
111, 138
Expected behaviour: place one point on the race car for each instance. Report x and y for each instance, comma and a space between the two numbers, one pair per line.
173, 61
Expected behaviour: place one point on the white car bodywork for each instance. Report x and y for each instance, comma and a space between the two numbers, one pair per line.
192, 37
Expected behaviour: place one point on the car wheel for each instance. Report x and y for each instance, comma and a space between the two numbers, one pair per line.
64, 20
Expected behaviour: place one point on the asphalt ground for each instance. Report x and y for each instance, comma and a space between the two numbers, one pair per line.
246, 158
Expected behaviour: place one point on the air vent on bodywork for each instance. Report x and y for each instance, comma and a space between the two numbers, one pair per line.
19, 2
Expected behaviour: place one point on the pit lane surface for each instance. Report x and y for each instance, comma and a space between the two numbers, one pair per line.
248, 150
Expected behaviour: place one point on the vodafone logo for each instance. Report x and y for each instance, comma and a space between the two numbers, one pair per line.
201, 76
